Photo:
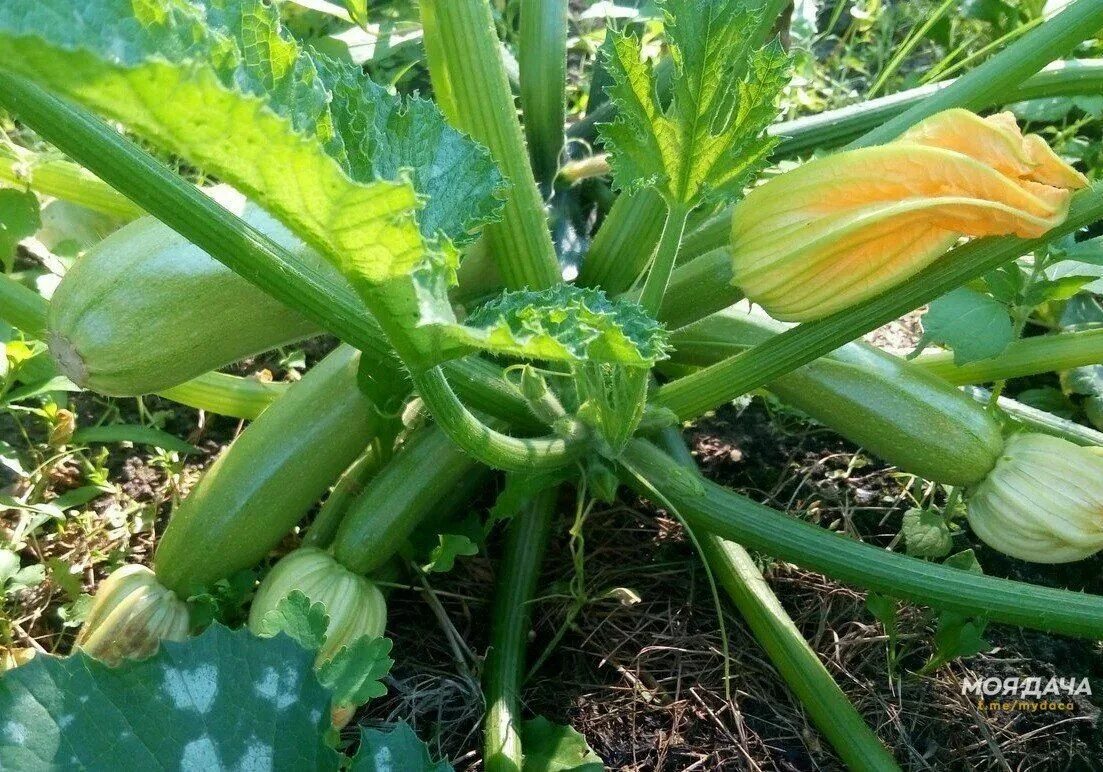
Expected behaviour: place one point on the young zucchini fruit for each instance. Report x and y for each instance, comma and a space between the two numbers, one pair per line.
892, 408
145, 310
248, 500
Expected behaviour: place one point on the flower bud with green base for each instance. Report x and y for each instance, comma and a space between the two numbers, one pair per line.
1043, 501
355, 607
131, 614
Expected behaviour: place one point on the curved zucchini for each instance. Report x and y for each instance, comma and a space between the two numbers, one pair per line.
271, 475
890, 407
145, 310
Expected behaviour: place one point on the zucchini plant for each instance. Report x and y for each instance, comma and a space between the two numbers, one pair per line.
384, 220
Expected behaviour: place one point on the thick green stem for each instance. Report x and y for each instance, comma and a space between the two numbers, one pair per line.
990, 82
1039, 420
713, 508
469, 81
500, 451
64, 180
542, 58
197, 217
503, 676
623, 243
700, 392
699, 288
775, 631
1029, 356
22, 307
665, 255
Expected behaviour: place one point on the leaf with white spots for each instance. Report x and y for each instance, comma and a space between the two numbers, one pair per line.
395, 750
223, 700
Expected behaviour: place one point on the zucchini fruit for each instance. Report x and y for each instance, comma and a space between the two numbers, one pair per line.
890, 407
271, 475
145, 310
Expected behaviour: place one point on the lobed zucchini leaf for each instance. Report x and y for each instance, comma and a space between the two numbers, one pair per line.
708, 141
566, 323
223, 700
377, 184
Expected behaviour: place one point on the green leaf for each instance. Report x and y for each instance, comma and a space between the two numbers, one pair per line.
566, 323
19, 219
956, 636
551, 747
56, 383
451, 546
708, 142
1062, 288
354, 672
1049, 399
223, 700
396, 750
926, 534
375, 183
966, 560
295, 616
139, 435
973, 324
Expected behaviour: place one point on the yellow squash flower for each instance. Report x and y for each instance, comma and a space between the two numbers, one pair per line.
841, 229
1042, 502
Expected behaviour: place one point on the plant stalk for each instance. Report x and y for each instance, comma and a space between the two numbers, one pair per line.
491, 447
718, 510
470, 83
64, 180
654, 288
831, 711
503, 676
542, 58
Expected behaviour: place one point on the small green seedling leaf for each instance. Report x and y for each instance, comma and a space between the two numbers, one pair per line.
926, 534
223, 700
295, 616
395, 750
551, 747
956, 636
451, 546
883, 609
19, 219
708, 141
966, 560
354, 673
973, 324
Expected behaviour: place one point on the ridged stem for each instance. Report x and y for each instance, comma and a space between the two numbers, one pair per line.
469, 81
718, 510
830, 709
542, 59
623, 243
503, 675
64, 180
654, 288
349, 486
22, 307
1039, 420
711, 387
1028, 356
486, 444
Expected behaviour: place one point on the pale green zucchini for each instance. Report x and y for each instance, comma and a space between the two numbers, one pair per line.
146, 310
892, 408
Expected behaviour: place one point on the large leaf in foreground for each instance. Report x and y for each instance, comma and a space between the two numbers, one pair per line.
709, 140
372, 181
223, 700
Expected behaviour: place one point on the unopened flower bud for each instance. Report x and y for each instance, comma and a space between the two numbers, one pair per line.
355, 607
131, 614
1043, 501
841, 229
